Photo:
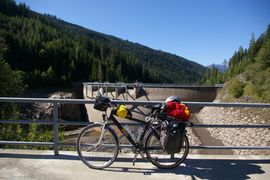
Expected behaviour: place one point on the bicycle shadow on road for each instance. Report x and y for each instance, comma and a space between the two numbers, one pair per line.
205, 169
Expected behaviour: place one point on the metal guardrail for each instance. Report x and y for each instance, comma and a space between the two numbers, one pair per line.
55, 122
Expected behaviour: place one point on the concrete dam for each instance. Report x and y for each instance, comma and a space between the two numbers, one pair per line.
147, 92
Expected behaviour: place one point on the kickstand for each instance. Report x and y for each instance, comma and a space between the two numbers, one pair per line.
135, 157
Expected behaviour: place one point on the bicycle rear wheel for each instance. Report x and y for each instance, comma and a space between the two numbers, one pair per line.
159, 157
96, 149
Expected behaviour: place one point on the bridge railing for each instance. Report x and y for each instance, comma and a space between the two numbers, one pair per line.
55, 122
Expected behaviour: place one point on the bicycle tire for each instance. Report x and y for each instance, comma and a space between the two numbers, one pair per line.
160, 157
97, 156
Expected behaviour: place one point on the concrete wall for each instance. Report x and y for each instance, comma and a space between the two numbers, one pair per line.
186, 94
202, 94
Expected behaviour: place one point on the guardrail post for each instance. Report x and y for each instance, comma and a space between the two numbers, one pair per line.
55, 128
86, 88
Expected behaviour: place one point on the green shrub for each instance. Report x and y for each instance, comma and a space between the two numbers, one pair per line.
251, 90
236, 88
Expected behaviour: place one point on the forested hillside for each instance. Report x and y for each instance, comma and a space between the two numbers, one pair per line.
52, 52
248, 74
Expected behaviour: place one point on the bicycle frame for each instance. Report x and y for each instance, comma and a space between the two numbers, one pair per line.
126, 133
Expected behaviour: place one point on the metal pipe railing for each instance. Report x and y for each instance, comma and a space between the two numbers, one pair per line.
138, 103
55, 122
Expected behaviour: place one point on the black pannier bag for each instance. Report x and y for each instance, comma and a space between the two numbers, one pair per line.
101, 103
171, 135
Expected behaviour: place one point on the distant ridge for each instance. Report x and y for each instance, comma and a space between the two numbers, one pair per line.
221, 68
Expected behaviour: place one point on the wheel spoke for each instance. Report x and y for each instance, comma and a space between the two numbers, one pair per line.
160, 157
95, 151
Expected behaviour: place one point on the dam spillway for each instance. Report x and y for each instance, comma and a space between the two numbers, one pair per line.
147, 92
151, 92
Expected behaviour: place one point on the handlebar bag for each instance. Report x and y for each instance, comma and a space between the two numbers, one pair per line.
101, 103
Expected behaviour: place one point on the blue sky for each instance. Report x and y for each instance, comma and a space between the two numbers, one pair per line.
204, 31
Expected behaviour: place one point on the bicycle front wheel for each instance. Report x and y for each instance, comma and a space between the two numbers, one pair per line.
159, 157
97, 146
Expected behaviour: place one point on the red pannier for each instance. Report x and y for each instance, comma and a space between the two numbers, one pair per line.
173, 126
177, 110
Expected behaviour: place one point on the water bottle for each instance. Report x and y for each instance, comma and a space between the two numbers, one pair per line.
130, 131
139, 133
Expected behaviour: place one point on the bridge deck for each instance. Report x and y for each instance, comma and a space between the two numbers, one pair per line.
26, 164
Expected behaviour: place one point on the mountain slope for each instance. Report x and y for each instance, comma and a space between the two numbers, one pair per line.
53, 52
249, 70
247, 76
